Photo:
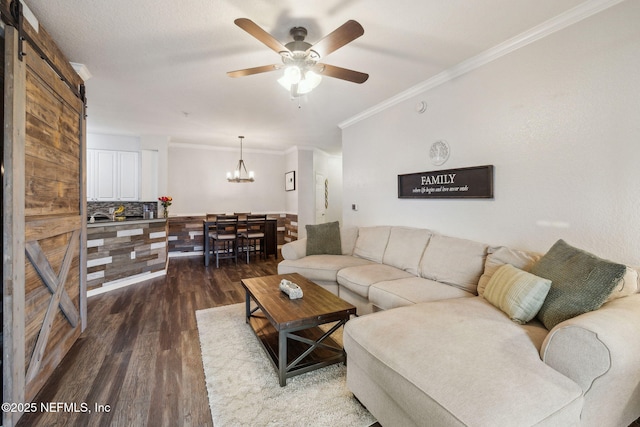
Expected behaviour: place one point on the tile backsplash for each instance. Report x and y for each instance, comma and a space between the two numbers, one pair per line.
130, 208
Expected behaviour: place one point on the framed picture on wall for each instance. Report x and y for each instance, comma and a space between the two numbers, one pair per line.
290, 181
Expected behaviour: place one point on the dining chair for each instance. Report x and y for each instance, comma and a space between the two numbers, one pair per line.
242, 220
224, 237
252, 239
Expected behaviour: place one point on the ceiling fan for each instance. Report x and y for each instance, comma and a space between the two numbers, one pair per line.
300, 60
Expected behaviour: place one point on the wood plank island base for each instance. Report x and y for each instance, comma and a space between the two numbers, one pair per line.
289, 329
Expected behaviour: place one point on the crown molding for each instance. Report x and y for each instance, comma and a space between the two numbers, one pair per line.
223, 148
564, 20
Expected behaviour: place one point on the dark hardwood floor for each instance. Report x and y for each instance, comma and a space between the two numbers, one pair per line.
140, 355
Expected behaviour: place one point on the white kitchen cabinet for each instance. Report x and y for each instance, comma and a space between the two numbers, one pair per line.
112, 175
128, 181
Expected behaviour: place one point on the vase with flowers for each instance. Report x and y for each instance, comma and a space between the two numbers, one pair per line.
165, 201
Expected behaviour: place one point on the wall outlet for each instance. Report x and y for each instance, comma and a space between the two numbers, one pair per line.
112, 210
133, 254
354, 207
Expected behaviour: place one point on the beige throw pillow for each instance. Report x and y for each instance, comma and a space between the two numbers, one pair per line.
517, 293
501, 255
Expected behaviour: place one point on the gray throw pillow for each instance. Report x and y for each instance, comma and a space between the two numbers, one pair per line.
580, 282
324, 239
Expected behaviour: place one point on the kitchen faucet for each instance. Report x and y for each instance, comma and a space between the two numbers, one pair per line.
111, 215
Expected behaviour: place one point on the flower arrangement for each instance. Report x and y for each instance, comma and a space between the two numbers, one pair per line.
165, 201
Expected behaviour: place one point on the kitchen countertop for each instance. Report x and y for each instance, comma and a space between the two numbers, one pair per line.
105, 222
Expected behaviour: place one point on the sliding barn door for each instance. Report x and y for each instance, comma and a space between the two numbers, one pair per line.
44, 298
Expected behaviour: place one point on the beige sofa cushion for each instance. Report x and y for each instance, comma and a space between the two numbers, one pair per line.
628, 285
359, 278
518, 293
423, 367
501, 255
454, 261
348, 237
405, 248
371, 243
320, 267
412, 290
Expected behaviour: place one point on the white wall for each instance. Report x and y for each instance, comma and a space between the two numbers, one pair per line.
558, 119
305, 187
291, 164
198, 184
334, 212
160, 145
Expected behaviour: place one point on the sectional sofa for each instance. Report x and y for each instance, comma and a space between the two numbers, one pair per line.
460, 333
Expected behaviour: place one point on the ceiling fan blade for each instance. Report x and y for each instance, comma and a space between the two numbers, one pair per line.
254, 70
346, 33
252, 28
341, 73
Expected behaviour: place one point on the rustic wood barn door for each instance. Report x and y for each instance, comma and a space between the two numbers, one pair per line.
44, 295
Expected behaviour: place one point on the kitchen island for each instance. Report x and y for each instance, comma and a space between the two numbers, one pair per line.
123, 252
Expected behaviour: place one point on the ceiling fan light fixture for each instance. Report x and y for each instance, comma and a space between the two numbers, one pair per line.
292, 75
306, 84
311, 81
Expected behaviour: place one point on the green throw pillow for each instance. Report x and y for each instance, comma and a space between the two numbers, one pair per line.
324, 239
580, 282
517, 293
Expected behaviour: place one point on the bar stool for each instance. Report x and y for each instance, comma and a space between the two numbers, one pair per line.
225, 238
252, 239
242, 220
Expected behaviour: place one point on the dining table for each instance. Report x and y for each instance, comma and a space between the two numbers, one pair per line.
270, 237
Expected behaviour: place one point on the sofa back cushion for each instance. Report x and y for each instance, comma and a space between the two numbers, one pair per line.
405, 248
371, 242
501, 255
628, 285
348, 236
456, 262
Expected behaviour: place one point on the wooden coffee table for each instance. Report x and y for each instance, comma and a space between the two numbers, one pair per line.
288, 329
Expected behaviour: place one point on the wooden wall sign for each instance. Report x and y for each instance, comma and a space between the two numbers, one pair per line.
474, 182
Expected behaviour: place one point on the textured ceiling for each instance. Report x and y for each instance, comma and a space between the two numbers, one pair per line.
158, 66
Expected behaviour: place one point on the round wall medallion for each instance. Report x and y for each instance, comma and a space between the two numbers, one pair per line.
439, 152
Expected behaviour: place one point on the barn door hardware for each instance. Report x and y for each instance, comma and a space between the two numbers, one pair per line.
16, 14
15, 18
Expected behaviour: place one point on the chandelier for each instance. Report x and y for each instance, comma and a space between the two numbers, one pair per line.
240, 174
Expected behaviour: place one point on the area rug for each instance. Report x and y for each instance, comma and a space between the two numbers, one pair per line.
243, 386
